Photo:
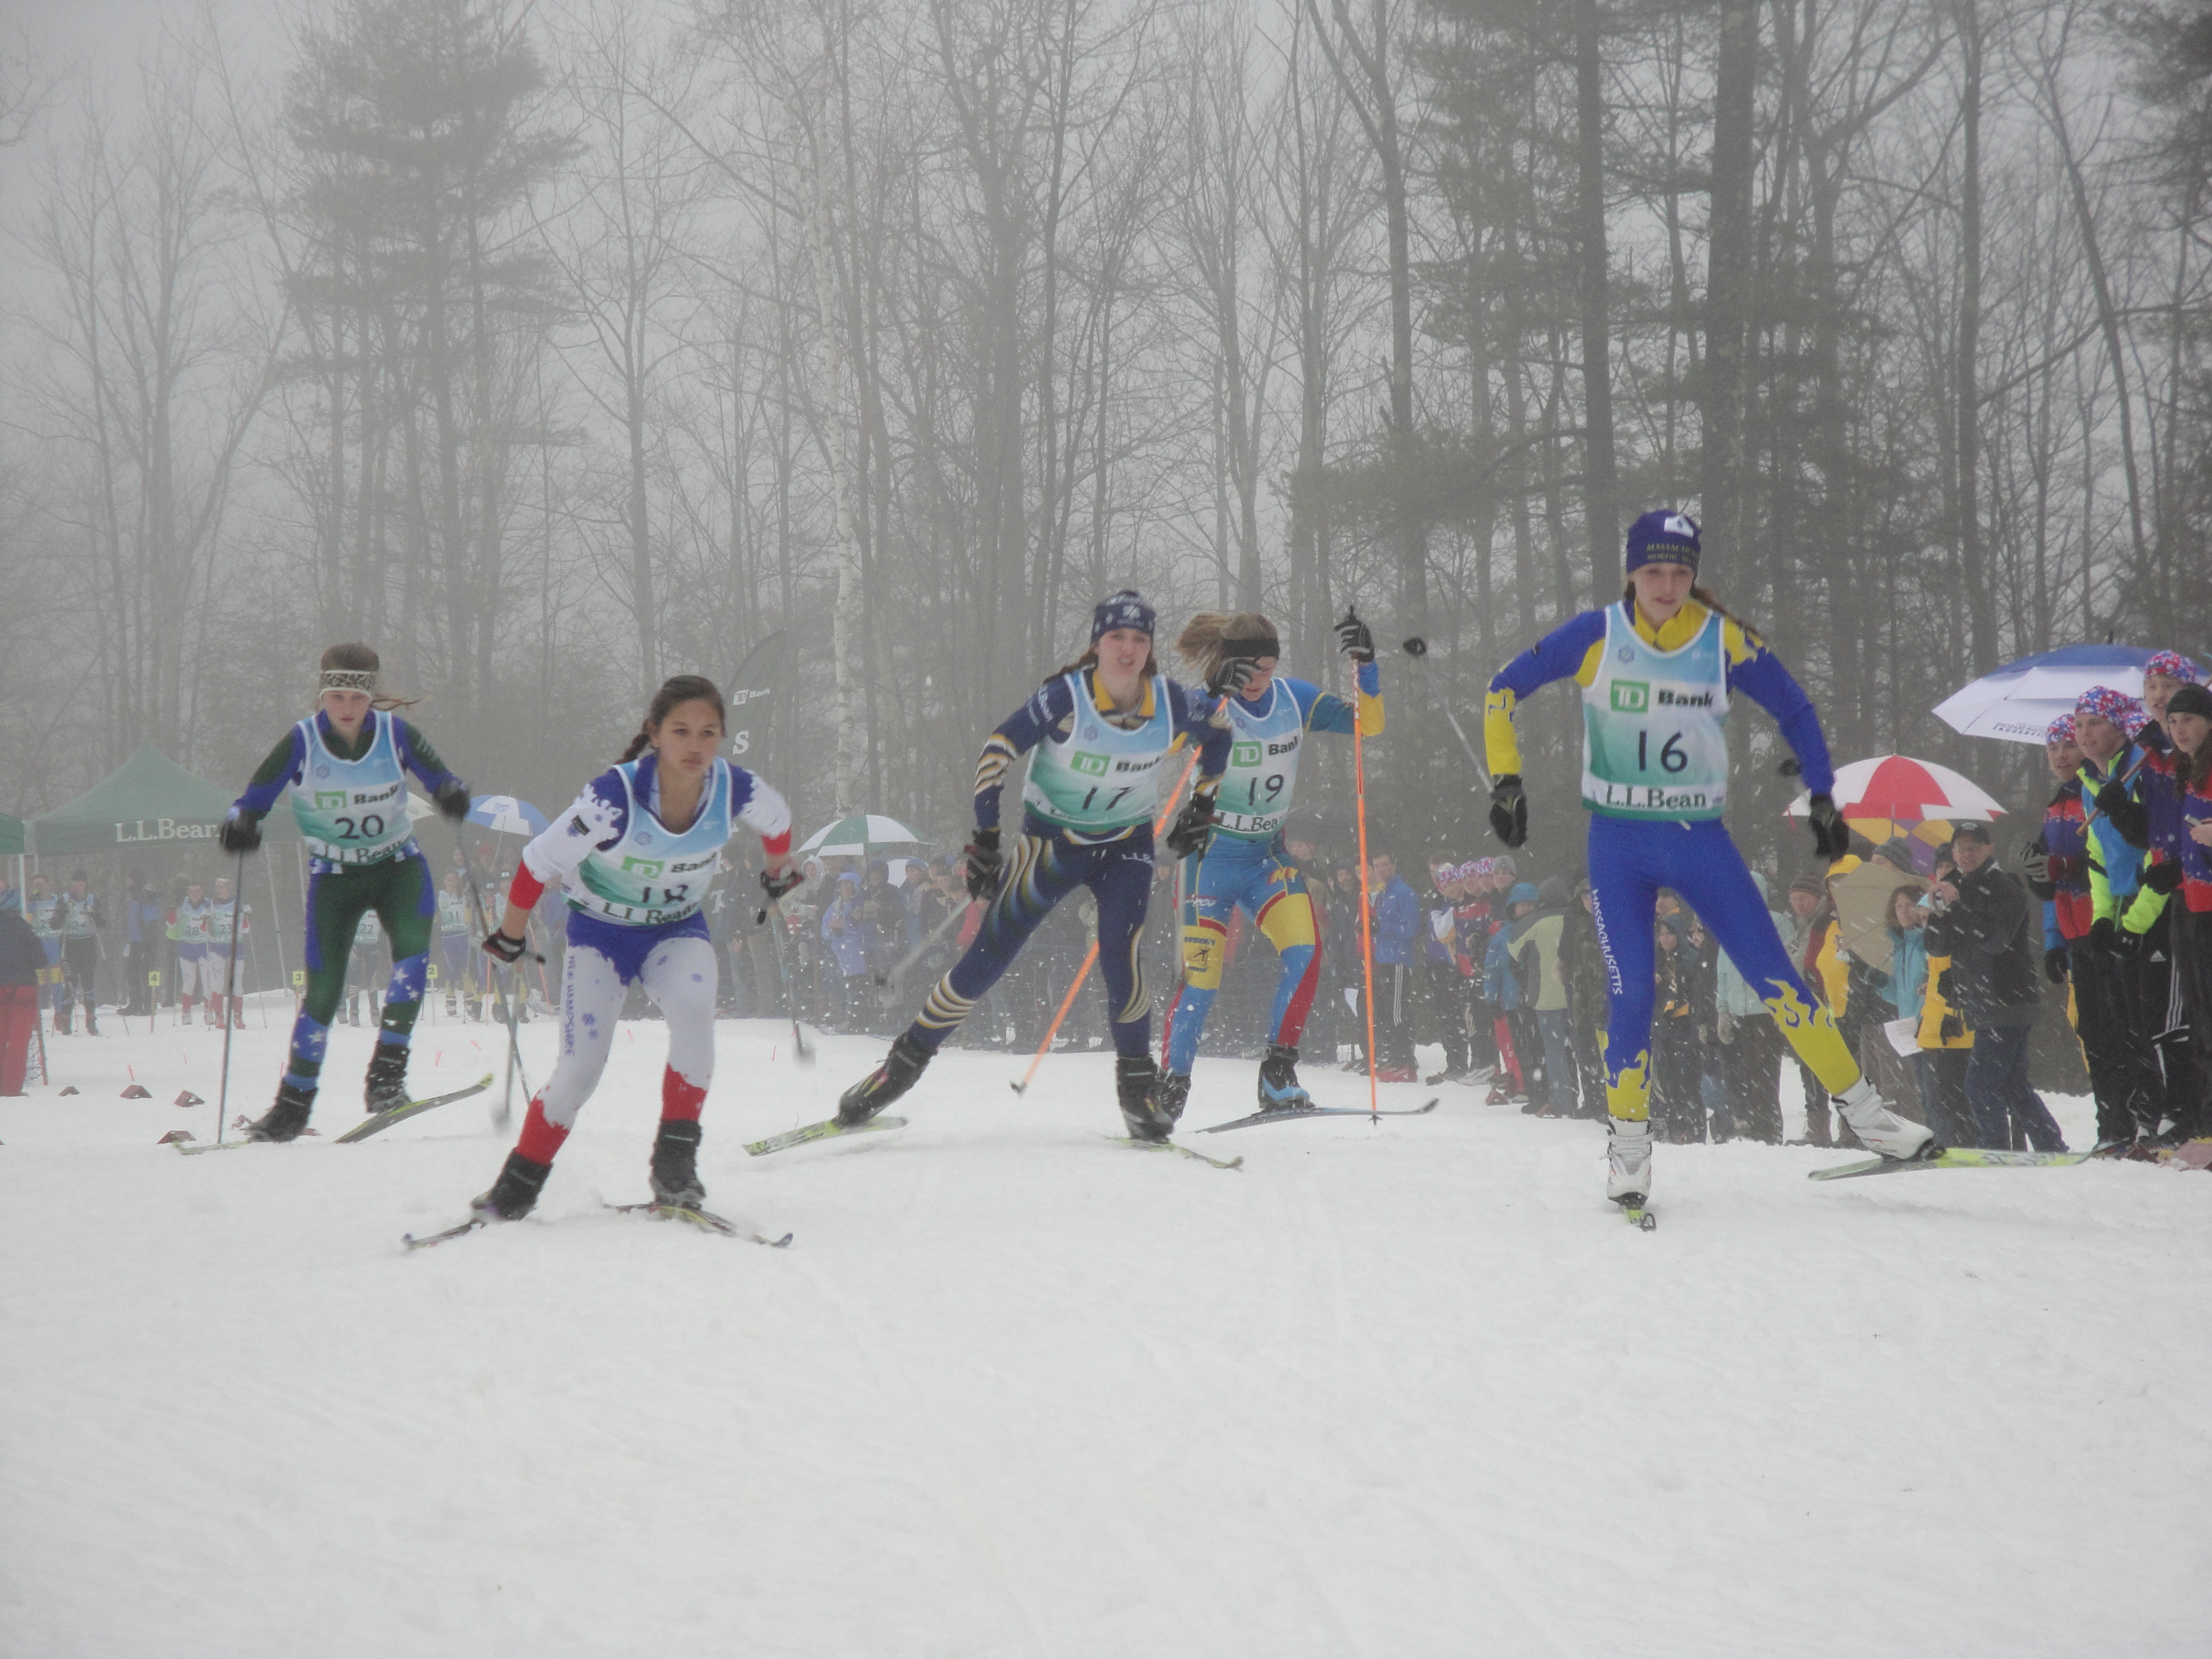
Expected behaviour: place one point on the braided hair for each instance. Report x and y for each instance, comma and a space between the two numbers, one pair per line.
682, 688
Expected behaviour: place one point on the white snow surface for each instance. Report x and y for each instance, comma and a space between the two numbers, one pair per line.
1391, 1390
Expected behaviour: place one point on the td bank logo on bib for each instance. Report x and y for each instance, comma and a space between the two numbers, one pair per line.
1632, 696
1091, 765
647, 867
330, 800
1244, 754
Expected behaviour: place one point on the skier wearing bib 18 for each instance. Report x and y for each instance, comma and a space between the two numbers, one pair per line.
345, 768
1656, 672
1245, 863
637, 855
1102, 729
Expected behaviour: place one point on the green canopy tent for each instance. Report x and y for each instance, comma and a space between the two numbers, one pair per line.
11, 835
149, 801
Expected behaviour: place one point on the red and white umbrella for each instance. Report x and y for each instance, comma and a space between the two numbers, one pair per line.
1903, 790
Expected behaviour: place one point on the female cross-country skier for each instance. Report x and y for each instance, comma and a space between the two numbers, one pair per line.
1245, 863
1656, 672
1101, 728
345, 768
636, 856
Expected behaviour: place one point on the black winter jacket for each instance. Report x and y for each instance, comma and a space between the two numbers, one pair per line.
1993, 937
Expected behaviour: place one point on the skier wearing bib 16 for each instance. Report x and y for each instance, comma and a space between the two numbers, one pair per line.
1657, 672
1101, 729
345, 768
636, 856
1245, 863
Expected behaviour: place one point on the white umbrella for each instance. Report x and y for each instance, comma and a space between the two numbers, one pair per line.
507, 815
2018, 702
856, 836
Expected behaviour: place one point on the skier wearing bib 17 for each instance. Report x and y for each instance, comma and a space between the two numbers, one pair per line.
1102, 727
636, 855
1245, 865
1656, 672
345, 768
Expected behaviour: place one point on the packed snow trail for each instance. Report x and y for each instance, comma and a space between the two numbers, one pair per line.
1396, 1390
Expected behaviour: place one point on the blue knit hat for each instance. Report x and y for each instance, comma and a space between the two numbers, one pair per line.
1122, 609
1663, 536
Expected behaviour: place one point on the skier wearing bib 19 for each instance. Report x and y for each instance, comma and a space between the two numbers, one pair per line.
636, 856
1245, 863
1102, 729
345, 768
1656, 672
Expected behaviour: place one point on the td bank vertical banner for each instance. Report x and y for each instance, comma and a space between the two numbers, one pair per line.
754, 696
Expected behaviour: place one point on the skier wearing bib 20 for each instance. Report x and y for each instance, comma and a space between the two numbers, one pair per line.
345, 768
1245, 863
1657, 672
636, 856
1101, 729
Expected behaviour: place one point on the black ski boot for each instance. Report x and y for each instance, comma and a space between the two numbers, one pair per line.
514, 1195
1279, 1088
1137, 1081
284, 1121
387, 1078
675, 1172
1173, 1092
886, 1083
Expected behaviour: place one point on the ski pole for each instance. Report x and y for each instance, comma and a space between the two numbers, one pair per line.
230, 978
801, 1056
515, 1067
1090, 957
888, 980
1366, 908
1418, 649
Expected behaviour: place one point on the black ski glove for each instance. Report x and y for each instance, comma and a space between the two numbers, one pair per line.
1354, 639
240, 832
2054, 964
985, 864
1508, 809
2129, 816
1192, 828
2128, 947
1231, 676
2163, 877
452, 798
505, 946
1831, 836
2035, 867
2105, 937
776, 886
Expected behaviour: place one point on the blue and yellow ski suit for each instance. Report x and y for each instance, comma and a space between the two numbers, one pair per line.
1653, 696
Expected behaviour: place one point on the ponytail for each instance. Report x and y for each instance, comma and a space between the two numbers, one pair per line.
1203, 639
1705, 596
355, 666
682, 688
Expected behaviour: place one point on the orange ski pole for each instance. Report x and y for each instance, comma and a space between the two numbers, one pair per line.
1090, 959
1366, 911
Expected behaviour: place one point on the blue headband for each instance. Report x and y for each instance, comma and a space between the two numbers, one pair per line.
1121, 610
1663, 537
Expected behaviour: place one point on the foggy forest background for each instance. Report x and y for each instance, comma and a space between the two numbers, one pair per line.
557, 348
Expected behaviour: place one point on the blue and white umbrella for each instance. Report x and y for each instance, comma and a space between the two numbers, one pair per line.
507, 814
2018, 702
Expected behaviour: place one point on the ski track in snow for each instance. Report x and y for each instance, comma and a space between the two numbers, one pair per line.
1391, 1391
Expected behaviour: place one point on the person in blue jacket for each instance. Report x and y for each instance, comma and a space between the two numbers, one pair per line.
1396, 920
344, 771
1656, 672
1246, 864
1099, 734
